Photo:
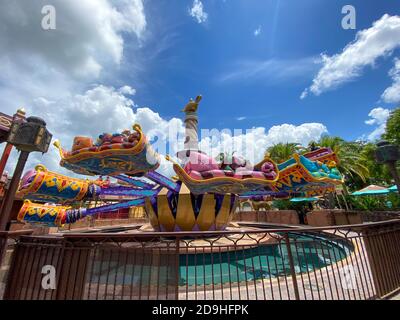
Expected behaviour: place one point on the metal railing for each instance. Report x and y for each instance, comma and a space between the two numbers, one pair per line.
340, 263
8, 240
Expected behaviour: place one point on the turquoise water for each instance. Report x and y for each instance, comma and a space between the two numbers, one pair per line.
249, 264
265, 261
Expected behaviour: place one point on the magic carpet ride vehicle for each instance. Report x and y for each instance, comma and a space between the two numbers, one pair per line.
203, 197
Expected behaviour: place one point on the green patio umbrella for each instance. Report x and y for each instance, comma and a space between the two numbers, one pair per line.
371, 190
304, 199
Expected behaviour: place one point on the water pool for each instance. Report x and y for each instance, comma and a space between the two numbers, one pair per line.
143, 270
265, 261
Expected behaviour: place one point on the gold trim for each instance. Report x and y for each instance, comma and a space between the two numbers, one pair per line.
185, 217
206, 216
221, 220
165, 217
151, 214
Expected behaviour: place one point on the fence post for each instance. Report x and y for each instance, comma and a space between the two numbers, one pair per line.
292, 269
177, 244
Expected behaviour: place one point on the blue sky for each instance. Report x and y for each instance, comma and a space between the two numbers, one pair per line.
286, 68
196, 56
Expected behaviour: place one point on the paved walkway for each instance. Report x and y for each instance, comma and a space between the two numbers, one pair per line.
396, 297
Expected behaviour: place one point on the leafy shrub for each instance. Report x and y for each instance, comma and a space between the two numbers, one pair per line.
375, 203
288, 205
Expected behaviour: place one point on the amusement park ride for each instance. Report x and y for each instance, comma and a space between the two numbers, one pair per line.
203, 197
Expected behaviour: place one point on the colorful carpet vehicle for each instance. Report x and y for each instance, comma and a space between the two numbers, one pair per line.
203, 174
43, 185
49, 215
299, 174
324, 155
112, 154
54, 215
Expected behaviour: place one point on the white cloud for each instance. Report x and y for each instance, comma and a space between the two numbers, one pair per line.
88, 34
253, 143
56, 64
105, 109
270, 71
257, 31
392, 94
128, 90
42, 70
304, 94
370, 44
241, 118
197, 12
100, 109
378, 117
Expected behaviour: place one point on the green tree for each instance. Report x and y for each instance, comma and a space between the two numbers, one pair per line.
379, 174
392, 134
283, 151
352, 163
393, 127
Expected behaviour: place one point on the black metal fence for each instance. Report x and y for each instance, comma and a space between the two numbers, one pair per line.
348, 263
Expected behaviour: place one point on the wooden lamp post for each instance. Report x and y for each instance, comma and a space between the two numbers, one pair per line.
5, 126
388, 154
27, 137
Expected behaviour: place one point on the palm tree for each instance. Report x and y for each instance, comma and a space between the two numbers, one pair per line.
283, 151
379, 174
352, 163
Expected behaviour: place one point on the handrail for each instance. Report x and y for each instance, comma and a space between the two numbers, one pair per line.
146, 234
17, 233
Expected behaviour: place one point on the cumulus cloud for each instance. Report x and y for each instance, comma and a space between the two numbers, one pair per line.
370, 44
197, 12
43, 70
54, 65
378, 117
253, 142
128, 90
99, 109
392, 94
88, 34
